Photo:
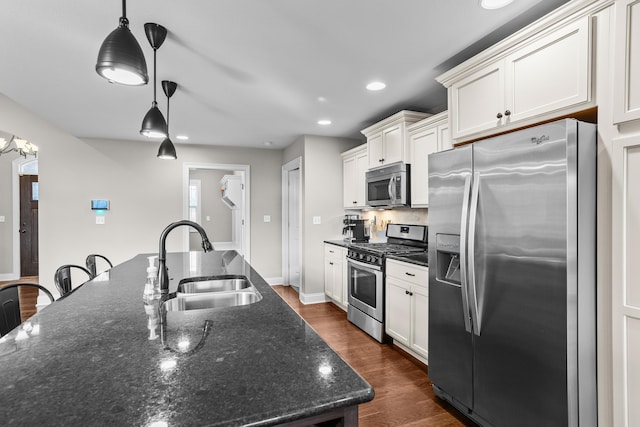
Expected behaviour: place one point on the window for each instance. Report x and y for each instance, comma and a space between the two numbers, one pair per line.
195, 204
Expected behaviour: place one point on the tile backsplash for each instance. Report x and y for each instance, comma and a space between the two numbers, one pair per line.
378, 219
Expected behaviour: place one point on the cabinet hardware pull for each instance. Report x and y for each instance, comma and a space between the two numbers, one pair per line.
330, 263
410, 294
499, 116
507, 113
406, 292
409, 274
330, 251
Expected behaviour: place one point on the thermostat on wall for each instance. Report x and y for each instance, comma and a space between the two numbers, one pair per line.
99, 205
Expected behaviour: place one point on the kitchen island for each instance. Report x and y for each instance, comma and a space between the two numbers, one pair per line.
87, 359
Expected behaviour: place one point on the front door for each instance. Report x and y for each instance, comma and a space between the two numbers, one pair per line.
29, 225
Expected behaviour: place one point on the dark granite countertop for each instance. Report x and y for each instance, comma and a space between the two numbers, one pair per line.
87, 359
342, 243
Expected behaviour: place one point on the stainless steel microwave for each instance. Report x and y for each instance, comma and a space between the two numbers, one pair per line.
388, 185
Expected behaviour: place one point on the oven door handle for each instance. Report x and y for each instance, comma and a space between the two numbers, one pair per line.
364, 265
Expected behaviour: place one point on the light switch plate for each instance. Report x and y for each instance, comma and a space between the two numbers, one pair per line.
317, 220
99, 219
267, 218
2, 219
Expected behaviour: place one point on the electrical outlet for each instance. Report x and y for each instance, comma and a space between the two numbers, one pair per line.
317, 220
99, 219
2, 219
267, 218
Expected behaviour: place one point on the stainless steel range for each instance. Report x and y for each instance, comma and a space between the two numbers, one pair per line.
365, 264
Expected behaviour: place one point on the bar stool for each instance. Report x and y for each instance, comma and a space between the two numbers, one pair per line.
10, 304
91, 263
62, 278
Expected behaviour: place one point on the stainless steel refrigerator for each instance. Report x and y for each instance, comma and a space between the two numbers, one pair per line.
512, 277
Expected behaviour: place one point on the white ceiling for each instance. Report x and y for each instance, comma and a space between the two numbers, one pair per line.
249, 71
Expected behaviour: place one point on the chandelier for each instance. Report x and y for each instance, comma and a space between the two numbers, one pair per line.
20, 145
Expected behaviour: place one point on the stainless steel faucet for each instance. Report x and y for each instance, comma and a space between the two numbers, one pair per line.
163, 275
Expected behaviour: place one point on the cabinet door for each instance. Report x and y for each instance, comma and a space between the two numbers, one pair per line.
444, 138
398, 306
477, 101
375, 150
423, 143
362, 164
328, 276
627, 61
420, 320
549, 74
338, 287
393, 144
349, 181
626, 281
345, 278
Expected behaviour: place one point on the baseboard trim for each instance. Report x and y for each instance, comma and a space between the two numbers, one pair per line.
316, 298
275, 281
9, 276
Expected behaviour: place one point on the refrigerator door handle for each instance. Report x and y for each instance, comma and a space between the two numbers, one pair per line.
463, 253
473, 297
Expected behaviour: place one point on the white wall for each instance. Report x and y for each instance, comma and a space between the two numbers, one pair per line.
146, 194
321, 182
219, 227
6, 228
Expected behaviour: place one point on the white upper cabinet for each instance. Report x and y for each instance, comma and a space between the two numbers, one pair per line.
387, 140
354, 168
627, 62
425, 137
542, 72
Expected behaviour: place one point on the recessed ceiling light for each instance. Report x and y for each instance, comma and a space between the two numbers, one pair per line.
494, 4
268, 143
182, 137
324, 122
376, 86
322, 99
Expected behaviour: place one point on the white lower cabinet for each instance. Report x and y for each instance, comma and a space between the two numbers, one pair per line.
335, 284
407, 307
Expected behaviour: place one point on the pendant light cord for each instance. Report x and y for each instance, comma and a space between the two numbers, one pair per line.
168, 99
154, 76
124, 9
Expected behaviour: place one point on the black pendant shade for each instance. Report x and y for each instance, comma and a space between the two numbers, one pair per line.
167, 149
120, 59
153, 124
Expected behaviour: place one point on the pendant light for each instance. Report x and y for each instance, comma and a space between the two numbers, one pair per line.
120, 59
167, 150
153, 124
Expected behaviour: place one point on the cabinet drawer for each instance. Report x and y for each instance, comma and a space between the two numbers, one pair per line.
414, 274
333, 251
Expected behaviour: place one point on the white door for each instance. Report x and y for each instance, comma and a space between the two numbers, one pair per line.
294, 227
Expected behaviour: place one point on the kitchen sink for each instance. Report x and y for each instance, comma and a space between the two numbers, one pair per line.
210, 300
196, 285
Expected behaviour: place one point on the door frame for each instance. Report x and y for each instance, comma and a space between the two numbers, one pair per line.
286, 168
246, 206
16, 165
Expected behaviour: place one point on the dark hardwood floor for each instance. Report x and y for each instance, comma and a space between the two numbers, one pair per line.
403, 392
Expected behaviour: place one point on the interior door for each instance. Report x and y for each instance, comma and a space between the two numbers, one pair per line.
294, 228
28, 225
